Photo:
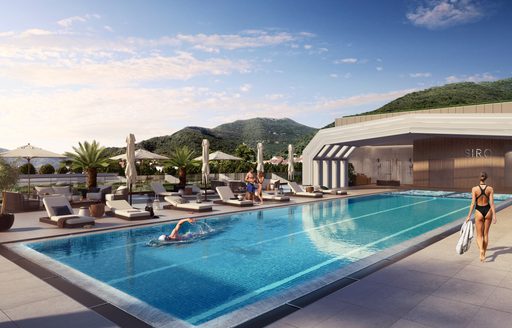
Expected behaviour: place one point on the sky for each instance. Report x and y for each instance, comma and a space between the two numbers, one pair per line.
72, 71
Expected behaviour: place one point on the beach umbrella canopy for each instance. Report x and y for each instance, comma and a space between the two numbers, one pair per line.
29, 152
291, 169
260, 167
205, 168
219, 156
130, 171
140, 154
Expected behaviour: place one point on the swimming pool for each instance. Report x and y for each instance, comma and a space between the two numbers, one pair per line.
251, 261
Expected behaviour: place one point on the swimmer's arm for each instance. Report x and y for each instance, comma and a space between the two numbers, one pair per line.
493, 209
174, 232
472, 204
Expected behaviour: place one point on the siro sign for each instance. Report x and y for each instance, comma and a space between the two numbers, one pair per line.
478, 152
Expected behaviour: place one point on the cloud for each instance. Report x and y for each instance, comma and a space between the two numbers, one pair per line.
379, 68
69, 21
471, 78
420, 75
308, 46
246, 87
346, 61
34, 32
275, 96
334, 76
132, 71
108, 28
439, 14
254, 39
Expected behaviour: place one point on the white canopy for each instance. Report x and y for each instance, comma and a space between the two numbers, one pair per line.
28, 152
140, 154
219, 156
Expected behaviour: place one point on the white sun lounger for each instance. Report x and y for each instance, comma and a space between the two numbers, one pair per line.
159, 190
275, 197
332, 191
55, 207
179, 203
123, 210
298, 191
227, 197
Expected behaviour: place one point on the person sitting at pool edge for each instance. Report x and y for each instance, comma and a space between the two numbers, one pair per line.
174, 235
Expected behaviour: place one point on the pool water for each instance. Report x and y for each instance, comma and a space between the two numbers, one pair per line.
250, 256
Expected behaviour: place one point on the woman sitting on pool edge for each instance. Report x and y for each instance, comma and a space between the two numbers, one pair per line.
174, 235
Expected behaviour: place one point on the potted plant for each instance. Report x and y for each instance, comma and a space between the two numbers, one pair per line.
8, 179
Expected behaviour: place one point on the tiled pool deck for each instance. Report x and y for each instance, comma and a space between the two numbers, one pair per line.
434, 287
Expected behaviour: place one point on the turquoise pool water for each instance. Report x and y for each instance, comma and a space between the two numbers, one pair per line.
250, 256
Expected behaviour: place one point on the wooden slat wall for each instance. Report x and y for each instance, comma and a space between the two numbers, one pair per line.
442, 162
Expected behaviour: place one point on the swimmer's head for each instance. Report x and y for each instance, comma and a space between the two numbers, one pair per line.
162, 237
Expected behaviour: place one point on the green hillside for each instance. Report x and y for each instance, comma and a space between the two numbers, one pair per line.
449, 95
275, 134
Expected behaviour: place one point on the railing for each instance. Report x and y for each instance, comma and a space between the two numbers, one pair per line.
73, 178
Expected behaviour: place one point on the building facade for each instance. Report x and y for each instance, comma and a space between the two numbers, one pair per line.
444, 148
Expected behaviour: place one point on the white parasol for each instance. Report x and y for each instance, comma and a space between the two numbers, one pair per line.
29, 152
130, 170
260, 167
291, 169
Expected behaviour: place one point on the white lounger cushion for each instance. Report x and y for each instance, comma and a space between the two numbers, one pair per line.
274, 197
173, 200
226, 195
297, 190
159, 190
123, 208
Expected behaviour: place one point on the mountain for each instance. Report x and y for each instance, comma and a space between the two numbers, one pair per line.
275, 134
449, 95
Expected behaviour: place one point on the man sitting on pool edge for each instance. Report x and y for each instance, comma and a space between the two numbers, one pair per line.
174, 235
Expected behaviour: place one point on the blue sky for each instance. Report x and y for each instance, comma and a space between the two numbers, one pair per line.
82, 70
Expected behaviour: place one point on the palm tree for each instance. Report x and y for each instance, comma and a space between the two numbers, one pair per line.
183, 159
89, 157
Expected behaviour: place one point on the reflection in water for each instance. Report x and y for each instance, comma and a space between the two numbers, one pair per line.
328, 228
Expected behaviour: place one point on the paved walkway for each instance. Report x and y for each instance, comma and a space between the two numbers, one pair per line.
434, 287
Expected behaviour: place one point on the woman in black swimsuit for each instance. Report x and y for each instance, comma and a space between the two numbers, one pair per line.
483, 202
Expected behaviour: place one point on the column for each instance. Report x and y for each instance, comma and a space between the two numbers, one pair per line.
335, 174
317, 172
327, 174
343, 169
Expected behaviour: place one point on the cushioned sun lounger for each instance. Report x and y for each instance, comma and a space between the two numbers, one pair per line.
298, 191
179, 203
123, 210
227, 197
61, 214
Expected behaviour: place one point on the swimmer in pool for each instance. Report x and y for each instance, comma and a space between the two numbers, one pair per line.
174, 235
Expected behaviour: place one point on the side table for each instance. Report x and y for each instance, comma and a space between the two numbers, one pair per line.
84, 211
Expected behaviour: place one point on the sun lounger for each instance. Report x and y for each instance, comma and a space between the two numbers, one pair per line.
159, 190
275, 197
179, 203
298, 191
61, 214
123, 210
332, 191
227, 197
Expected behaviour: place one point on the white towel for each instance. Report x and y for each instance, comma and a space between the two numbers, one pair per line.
466, 235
